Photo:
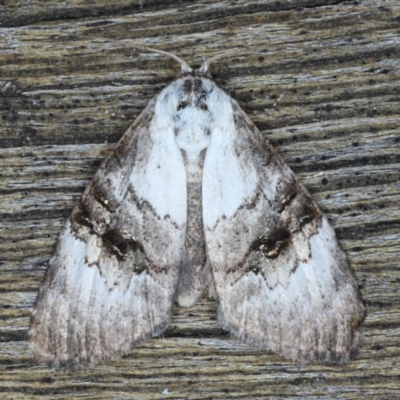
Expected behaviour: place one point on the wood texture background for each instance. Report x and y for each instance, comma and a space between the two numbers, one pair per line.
70, 85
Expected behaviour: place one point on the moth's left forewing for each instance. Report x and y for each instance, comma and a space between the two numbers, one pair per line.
281, 276
112, 279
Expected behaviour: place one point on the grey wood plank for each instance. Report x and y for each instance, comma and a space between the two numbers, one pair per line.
70, 85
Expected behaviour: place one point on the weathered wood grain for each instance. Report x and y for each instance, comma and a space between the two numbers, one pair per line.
70, 85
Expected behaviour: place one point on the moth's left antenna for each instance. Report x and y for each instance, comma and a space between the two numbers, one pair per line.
184, 65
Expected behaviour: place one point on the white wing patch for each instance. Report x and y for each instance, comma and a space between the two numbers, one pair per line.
229, 181
192, 200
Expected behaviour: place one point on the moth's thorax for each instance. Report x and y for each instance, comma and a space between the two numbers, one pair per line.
192, 119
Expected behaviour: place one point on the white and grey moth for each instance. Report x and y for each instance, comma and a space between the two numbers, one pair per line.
193, 199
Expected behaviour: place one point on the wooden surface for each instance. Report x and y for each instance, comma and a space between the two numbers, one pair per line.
70, 84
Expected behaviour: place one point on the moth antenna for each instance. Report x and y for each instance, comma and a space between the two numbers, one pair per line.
204, 67
185, 67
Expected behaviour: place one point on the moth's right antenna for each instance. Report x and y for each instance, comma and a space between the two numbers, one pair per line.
185, 67
204, 67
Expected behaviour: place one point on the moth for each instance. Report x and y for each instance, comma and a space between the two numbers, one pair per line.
193, 200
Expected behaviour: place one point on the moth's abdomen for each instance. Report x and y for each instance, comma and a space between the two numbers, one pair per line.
194, 275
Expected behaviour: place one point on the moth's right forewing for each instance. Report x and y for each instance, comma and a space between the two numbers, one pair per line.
280, 274
112, 280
